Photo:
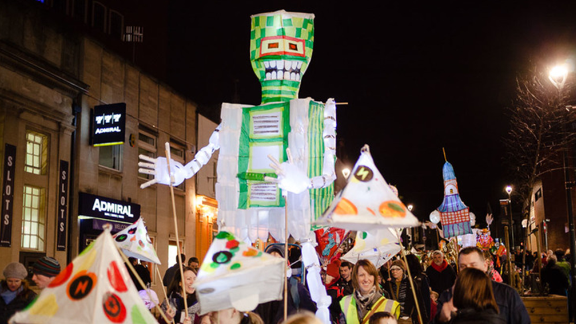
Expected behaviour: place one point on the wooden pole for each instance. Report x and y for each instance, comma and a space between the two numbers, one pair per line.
162, 285
131, 267
285, 254
414, 292
167, 148
443, 151
510, 275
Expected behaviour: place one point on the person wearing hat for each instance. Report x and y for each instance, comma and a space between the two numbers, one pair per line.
45, 270
400, 290
14, 290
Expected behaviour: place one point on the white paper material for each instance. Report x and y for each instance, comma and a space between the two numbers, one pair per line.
135, 242
235, 275
375, 246
94, 288
367, 202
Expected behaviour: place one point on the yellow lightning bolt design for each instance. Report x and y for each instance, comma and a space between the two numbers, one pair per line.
362, 173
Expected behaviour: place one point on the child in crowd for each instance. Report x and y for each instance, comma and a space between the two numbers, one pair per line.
382, 318
433, 303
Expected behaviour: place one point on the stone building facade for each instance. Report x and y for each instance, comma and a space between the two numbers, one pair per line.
51, 78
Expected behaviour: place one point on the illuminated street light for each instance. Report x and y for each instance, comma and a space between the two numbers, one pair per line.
509, 191
558, 76
410, 207
346, 172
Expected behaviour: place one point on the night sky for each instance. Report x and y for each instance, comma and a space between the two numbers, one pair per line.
418, 76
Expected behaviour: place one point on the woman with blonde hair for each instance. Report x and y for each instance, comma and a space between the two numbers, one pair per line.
474, 299
367, 297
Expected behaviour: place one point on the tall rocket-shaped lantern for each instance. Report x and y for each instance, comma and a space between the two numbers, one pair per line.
454, 214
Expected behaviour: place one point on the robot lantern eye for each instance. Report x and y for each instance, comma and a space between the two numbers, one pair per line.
293, 46
273, 45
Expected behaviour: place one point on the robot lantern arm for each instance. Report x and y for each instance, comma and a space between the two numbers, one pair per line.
328, 175
204, 155
158, 167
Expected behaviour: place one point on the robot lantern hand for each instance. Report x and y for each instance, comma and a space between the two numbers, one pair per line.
290, 177
158, 167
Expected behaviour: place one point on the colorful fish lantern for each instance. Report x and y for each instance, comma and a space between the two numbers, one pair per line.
94, 288
454, 214
234, 274
367, 202
135, 242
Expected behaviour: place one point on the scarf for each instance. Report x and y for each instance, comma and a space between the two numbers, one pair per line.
440, 267
365, 301
9, 295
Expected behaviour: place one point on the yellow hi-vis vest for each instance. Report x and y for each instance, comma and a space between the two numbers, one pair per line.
348, 306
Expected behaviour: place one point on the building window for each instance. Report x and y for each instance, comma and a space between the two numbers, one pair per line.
177, 154
79, 10
146, 146
111, 156
116, 26
99, 16
33, 220
36, 153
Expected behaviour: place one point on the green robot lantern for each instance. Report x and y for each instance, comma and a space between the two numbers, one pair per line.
249, 188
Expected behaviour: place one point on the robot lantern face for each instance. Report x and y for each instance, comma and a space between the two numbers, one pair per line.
281, 46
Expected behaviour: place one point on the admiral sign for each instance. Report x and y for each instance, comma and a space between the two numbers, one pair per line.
109, 124
92, 206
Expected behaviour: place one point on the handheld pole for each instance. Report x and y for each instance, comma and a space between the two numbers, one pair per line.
143, 285
414, 292
167, 147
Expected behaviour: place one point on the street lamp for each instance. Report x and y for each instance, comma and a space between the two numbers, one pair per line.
558, 76
509, 191
346, 172
410, 207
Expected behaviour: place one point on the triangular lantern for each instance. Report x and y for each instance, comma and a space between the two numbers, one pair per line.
135, 242
94, 288
377, 246
234, 274
367, 202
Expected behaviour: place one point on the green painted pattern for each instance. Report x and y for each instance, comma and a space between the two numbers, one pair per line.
320, 199
248, 141
279, 24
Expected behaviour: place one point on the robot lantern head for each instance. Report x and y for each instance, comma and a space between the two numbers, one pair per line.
281, 47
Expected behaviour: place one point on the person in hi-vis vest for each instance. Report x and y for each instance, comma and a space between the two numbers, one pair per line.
367, 297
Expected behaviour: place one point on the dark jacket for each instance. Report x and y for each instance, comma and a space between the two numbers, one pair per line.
19, 303
472, 316
176, 300
143, 273
335, 292
408, 305
557, 281
169, 274
272, 312
345, 286
441, 277
511, 307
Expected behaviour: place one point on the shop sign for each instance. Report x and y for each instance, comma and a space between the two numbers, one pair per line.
7, 195
93, 206
109, 124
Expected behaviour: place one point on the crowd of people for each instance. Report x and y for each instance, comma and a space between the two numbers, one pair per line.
404, 290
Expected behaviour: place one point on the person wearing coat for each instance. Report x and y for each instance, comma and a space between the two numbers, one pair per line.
474, 299
401, 291
15, 292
